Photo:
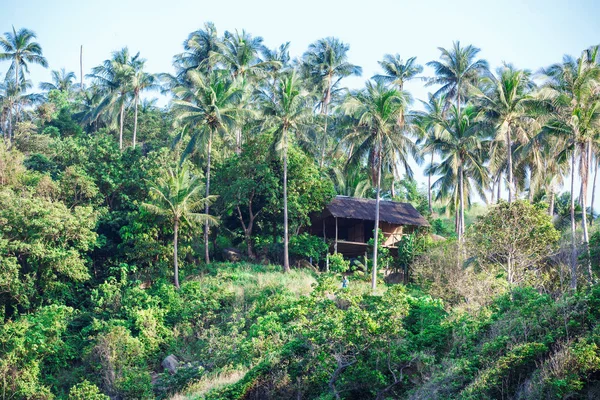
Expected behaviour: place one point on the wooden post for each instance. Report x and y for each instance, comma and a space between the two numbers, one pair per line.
336, 236
327, 262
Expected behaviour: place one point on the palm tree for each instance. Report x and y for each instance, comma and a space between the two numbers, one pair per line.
177, 197
572, 87
140, 81
504, 102
457, 72
114, 77
199, 50
20, 49
207, 108
61, 81
396, 71
426, 123
462, 143
324, 65
240, 54
286, 113
376, 109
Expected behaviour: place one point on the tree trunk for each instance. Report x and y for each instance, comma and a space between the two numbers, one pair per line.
324, 144
286, 256
175, 261
135, 117
121, 125
10, 125
584, 174
499, 187
510, 166
81, 68
18, 87
461, 204
429, 188
551, 207
573, 246
376, 230
207, 207
593, 191
531, 188
393, 188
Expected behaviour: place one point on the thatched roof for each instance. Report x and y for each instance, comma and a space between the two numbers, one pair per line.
392, 212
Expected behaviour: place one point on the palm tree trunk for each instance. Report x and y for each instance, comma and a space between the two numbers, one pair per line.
551, 207
18, 87
238, 140
121, 126
593, 191
175, 261
499, 187
135, 118
10, 125
584, 173
324, 144
510, 166
206, 207
81, 68
573, 246
376, 230
429, 188
461, 203
286, 255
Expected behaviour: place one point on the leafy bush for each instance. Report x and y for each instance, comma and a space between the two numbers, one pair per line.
308, 246
337, 263
86, 391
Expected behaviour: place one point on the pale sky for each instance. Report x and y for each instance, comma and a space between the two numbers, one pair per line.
529, 34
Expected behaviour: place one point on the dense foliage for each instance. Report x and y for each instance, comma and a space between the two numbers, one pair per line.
151, 252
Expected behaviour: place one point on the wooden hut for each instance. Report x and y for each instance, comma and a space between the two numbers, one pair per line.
349, 222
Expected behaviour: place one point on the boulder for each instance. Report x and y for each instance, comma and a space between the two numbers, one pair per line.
170, 363
394, 278
232, 254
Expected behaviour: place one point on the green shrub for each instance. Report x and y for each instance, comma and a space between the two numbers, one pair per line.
308, 246
86, 391
338, 264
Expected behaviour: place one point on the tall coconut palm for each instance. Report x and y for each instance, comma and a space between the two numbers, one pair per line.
504, 102
20, 49
376, 109
207, 108
114, 77
462, 143
427, 124
457, 72
140, 81
177, 197
240, 54
287, 112
199, 49
324, 65
396, 71
573, 88
61, 81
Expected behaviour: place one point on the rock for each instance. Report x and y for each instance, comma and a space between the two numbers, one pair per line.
394, 278
170, 363
232, 255
437, 238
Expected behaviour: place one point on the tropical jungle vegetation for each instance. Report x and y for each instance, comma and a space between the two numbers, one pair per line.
161, 252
